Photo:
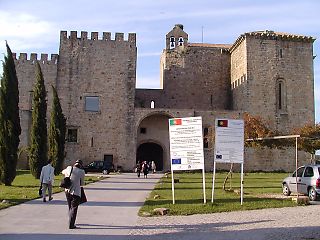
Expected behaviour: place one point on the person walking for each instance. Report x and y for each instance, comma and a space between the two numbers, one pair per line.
46, 180
73, 193
138, 168
145, 169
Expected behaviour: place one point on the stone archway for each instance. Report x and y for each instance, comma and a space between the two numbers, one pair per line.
151, 152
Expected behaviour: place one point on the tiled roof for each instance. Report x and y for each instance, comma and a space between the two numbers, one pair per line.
267, 34
209, 45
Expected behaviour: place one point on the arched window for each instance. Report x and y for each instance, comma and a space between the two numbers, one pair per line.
172, 42
152, 104
180, 41
281, 95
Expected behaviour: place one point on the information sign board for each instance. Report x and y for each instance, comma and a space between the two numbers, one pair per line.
186, 143
229, 141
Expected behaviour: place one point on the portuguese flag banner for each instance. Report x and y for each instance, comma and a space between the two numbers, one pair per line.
175, 121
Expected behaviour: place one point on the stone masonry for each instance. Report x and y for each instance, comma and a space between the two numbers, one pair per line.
264, 73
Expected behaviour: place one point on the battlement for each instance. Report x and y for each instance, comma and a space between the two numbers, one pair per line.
106, 36
34, 57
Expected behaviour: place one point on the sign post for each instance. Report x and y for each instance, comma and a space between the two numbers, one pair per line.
229, 146
186, 147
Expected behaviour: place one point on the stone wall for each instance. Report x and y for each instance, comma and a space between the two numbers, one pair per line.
196, 80
25, 68
105, 69
271, 59
239, 83
155, 121
193, 77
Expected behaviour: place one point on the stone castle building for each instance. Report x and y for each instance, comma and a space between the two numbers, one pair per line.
264, 73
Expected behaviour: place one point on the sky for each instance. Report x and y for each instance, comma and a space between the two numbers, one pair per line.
33, 26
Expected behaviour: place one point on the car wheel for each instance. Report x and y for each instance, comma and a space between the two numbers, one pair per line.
285, 189
312, 194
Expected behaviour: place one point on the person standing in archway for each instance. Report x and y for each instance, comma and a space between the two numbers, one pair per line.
145, 169
153, 167
138, 168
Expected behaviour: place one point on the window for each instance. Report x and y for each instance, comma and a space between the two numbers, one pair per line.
92, 104
30, 100
143, 130
180, 41
308, 172
300, 172
280, 53
72, 135
152, 104
172, 43
281, 95
207, 137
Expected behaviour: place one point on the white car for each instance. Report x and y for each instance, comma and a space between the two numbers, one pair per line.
308, 179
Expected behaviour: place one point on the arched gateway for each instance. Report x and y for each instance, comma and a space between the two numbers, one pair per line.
153, 140
151, 152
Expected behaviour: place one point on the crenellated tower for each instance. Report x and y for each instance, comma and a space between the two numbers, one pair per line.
96, 82
25, 68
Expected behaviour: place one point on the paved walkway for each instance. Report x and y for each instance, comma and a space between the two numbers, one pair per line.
111, 213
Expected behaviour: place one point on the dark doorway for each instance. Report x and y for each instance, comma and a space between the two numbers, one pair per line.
151, 152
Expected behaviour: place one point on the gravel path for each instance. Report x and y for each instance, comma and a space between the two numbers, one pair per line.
283, 223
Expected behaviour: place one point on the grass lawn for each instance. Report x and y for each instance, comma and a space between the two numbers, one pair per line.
258, 188
25, 187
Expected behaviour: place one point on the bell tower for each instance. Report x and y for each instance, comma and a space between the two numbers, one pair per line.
176, 37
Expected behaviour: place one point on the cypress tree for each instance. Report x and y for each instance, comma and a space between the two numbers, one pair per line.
38, 155
9, 120
57, 132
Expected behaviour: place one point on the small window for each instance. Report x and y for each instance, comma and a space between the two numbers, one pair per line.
180, 41
280, 53
206, 138
72, 135
143, 130
30, 100
152, 104
308, 172
300, 172
172, 42
92, 104
281, 95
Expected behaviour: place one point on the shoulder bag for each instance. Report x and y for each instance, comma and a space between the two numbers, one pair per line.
83, 197
66, 181
40, 190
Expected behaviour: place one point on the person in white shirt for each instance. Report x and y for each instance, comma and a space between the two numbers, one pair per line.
153, 167
73, 194
47, 179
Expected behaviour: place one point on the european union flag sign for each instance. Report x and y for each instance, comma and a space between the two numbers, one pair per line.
176, 161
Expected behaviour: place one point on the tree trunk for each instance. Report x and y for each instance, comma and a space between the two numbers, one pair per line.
227, 177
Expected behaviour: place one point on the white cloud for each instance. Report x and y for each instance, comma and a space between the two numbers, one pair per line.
26, 32
149, 54
147, 82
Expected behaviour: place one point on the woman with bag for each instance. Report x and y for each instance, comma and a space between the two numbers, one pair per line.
73, 193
